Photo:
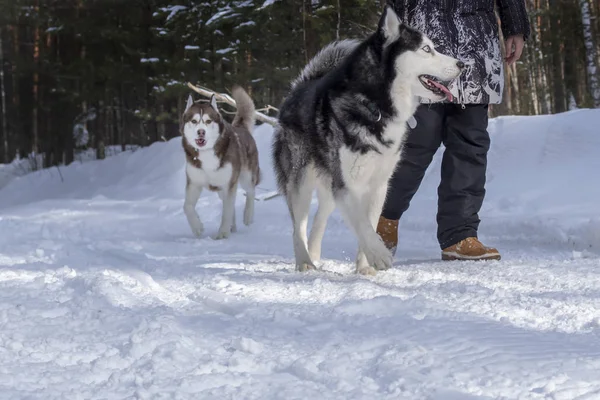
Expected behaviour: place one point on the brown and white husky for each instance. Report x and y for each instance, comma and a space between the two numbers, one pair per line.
220, 156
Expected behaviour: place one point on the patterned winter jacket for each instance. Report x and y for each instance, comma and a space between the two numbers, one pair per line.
468, 30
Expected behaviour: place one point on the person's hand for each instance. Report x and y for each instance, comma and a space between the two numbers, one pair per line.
514, 48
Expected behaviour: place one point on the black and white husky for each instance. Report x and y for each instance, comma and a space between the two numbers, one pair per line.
342, 128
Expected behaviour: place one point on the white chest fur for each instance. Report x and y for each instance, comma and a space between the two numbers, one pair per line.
210, 173
373, 169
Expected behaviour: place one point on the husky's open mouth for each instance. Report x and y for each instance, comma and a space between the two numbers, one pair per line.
201, 142
434, 85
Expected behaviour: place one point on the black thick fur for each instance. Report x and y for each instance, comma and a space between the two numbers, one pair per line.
343, 92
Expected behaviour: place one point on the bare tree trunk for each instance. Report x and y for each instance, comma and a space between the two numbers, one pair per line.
554, 28
308, 30
304, 31
339, 20
538, 58
514, 82
249, 65
162, 128
17, 140
100, 134
125, 127
533, 82
84, 104
36, 78
3, 100
592, 69
119, 121
547, 103
108, 121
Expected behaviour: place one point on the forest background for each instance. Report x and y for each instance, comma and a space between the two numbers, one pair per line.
91, 75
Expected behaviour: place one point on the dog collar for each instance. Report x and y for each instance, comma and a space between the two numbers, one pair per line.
369, 105
373, 109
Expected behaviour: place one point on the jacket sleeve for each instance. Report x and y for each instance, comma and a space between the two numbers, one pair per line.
513, 18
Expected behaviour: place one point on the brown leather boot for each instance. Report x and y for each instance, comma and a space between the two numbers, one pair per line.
470, 249
387, 229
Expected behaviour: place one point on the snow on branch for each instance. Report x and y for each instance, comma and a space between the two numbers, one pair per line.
225, 98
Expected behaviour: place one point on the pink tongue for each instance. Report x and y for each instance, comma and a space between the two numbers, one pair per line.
443, 88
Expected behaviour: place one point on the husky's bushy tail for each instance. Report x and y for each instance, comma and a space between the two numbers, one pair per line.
325, 60
245, 116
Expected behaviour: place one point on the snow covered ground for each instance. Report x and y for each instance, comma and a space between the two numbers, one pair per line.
23, 166
104, 293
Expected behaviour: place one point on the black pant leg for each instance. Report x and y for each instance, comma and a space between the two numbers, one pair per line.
463, 175
419, 149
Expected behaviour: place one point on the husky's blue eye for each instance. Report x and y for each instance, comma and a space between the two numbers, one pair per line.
427, 49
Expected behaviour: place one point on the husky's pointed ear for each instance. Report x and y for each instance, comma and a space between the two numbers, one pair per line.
190, 102
389, 25
213, 102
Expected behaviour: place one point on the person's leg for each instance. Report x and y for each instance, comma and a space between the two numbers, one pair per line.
463, 177
419, 149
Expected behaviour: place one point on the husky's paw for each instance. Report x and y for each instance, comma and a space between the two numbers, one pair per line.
233, 228
197, 228
222, 234
366, 270
304, 267
379, 257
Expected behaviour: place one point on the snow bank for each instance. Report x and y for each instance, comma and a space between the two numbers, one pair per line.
542, 180
156, 171
8, 172
543, 185
544, 171
23, 166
